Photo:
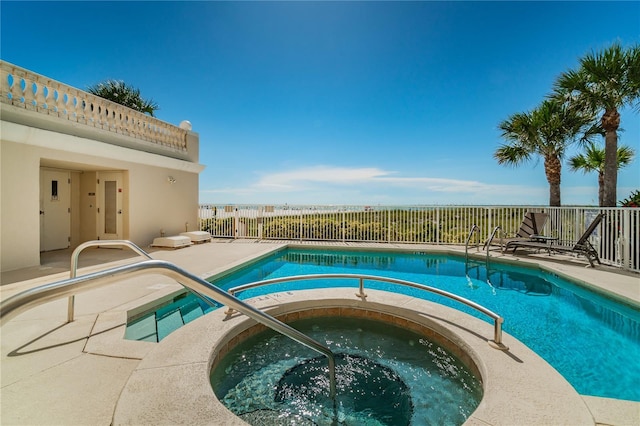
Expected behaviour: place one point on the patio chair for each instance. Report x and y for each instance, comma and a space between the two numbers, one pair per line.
532, 224
581, 247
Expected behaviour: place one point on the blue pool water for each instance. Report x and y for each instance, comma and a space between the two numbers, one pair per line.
592, 341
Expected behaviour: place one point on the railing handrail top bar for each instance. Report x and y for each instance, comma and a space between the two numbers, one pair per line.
73, 268
453, 296
97, 243
414, 206
127, 243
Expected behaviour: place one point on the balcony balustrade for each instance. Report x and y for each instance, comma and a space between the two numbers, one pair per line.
35, 93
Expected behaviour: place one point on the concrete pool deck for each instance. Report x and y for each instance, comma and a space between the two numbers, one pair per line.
57, 373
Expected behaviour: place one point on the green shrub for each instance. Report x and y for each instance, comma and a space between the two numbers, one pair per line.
632, 201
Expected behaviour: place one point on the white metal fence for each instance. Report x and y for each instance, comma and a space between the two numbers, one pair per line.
616, 239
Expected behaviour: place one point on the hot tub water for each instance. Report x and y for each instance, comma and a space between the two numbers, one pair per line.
386, 375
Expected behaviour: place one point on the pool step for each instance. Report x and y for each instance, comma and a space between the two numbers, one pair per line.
169, 322
175, 315
157, 325
191, 311
143, 329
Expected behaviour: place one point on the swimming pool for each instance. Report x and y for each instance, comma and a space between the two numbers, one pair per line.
592, 341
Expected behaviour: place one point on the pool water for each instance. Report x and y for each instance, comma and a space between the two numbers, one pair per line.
385, 375
591, 340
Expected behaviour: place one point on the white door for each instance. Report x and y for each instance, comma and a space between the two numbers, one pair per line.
109, 205
55, 209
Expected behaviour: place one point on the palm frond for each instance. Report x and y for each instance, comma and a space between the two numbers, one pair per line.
119, 92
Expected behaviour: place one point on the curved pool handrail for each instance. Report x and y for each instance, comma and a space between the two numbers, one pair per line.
73, 268
31, 298
490, 240
497, 319
474, 228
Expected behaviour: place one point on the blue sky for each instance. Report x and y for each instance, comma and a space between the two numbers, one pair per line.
391, 103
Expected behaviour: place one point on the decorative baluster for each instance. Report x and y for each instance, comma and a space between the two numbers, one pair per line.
145, 134
111, 117
181, 138
98, 113
114, 114
92, 111
135, 125
122, 124
39, 99
162, 135
127, 123
29, 91
55, 100
81, 108
65, 101
103, 114
153, 132
106, 114
131, 125
85, 107
47, 96
8, 86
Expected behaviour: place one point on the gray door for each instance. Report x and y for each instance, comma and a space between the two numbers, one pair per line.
109, 203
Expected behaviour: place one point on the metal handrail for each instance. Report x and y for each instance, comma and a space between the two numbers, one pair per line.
474, 228
95, 243
31, 298
488, 244
497, 319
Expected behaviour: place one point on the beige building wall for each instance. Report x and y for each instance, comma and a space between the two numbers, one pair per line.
151, 203
20, 208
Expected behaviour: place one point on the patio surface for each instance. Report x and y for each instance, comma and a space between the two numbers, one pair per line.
57, 373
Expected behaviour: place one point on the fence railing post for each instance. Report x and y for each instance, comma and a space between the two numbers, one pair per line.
626, 239
343, 226
437, 225
236, 223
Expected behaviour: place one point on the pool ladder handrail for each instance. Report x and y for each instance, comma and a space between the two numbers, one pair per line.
73, 269
474, 228
31, 298
104, 243
497, 319
488, 243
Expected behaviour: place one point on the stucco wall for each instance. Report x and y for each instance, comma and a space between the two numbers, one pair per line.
155, 204
20, 210
151, 203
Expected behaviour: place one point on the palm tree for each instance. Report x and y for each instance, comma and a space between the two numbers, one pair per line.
593, 161
605, 82
546, 131
121, 93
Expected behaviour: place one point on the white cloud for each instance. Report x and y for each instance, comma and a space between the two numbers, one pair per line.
305, 178
321, 174
365, 185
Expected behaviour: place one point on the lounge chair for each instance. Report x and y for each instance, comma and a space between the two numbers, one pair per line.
532, 224
581, 247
